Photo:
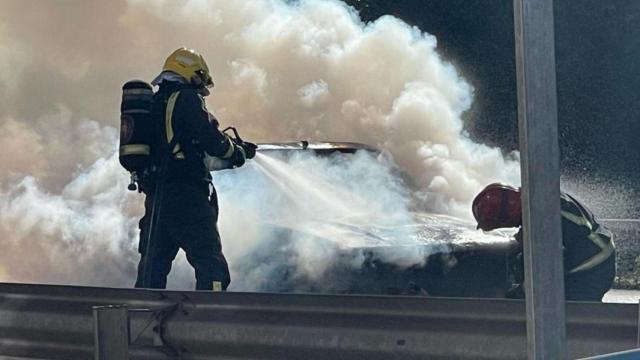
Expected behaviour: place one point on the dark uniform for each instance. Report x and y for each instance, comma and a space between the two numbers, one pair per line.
189, 209
589, 254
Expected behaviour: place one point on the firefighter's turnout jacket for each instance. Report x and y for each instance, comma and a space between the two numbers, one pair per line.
187, 120
588, 252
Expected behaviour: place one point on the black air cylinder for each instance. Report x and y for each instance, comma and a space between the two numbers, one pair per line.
136, 126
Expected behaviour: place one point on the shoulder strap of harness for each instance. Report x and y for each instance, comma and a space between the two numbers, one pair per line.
172, 139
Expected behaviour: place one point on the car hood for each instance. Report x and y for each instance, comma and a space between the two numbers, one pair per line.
422, 230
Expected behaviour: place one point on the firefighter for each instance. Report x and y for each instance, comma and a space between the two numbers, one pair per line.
189, 207
588, 249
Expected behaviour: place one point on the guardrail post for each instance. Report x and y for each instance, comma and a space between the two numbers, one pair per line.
111, 332
540, 158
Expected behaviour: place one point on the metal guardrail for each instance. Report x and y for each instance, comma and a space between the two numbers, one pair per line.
57, 322
623, 355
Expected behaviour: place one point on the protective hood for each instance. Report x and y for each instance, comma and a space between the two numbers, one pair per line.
168, 76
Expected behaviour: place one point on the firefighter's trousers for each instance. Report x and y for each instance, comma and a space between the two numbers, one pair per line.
188, 217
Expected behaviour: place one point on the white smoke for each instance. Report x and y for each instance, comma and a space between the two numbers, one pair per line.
283, 71
82, 235
326, 205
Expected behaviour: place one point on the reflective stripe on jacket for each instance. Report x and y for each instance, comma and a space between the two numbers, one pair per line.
587, 243
183, 115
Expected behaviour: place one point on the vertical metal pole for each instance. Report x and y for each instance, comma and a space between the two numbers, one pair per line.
539, 150
111, 332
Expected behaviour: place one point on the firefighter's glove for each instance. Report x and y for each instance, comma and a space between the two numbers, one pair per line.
239, 156
249, 149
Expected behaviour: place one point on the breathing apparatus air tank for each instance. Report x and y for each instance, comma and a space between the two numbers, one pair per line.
136, 129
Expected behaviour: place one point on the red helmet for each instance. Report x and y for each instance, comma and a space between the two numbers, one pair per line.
497, 206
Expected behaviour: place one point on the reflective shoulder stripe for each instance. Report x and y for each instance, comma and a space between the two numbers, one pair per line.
582, 217
168, 119
606, 247
598, 240
168, 123
230, 150
578, 220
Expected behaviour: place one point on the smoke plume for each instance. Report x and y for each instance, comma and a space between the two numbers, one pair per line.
284, 71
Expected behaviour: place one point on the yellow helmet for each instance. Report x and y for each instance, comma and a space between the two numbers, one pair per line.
190, 65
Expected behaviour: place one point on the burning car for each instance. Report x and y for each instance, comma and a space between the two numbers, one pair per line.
340, 218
